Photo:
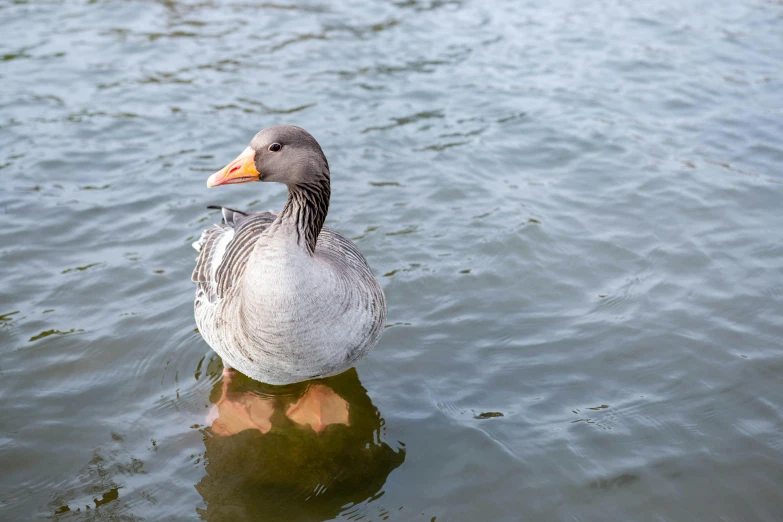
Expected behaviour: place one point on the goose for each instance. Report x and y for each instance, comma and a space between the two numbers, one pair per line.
280, 297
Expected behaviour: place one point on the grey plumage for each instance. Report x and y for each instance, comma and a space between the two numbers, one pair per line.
280, 297
217, 269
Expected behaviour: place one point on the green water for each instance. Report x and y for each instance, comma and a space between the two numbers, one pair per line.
575, 211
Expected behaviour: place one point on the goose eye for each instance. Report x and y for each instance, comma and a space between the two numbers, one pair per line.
275, 147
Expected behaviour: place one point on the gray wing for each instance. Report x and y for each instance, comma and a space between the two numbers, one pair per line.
224, 250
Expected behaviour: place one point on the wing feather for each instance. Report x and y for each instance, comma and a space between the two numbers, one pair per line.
224, 250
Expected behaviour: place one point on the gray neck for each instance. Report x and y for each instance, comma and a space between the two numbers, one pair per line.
306, 210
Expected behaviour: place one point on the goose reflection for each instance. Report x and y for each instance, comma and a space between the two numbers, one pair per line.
304, 451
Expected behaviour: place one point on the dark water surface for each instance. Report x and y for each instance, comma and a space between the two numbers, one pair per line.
575, 210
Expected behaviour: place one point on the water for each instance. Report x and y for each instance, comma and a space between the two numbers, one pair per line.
574, 210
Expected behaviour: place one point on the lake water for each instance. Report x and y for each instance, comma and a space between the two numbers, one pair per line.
575, 210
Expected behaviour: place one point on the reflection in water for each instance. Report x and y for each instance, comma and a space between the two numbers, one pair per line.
297, 452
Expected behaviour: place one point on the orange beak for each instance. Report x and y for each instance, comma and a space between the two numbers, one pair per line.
241, 170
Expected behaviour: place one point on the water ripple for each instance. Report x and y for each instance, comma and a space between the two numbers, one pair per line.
574, 211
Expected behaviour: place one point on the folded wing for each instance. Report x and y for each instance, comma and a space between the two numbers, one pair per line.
224, 250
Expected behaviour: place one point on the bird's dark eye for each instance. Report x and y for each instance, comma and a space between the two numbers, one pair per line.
275, 147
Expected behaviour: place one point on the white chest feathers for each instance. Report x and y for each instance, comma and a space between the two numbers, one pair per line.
301, 316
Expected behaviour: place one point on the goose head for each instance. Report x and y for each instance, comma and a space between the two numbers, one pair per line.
283, 154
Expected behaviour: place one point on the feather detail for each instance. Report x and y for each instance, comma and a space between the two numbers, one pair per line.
224, 249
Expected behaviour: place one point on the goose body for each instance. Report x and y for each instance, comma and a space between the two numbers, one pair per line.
281, 298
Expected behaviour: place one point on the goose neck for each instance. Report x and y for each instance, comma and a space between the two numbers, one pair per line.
305, 211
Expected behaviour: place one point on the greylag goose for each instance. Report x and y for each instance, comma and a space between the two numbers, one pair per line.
280, 297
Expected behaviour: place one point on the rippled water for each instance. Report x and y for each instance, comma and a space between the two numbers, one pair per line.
575, 210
